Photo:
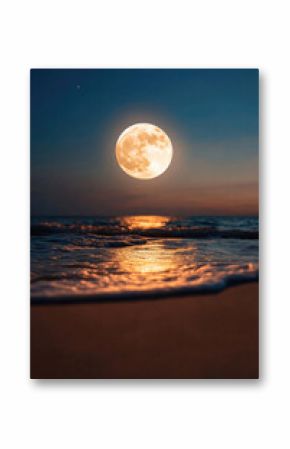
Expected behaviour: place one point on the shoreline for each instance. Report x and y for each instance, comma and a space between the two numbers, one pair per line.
149, 294
209, 336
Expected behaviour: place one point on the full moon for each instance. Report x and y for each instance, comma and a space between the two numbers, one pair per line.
144, 151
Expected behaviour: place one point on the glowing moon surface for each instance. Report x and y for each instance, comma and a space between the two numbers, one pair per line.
144, 151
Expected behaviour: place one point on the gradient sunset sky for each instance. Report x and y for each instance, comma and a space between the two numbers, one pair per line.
210, 115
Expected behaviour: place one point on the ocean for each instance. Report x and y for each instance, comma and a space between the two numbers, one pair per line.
104, 258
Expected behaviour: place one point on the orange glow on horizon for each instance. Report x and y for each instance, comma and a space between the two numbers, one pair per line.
144, 221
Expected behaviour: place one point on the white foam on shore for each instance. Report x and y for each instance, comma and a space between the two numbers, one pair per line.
211, 286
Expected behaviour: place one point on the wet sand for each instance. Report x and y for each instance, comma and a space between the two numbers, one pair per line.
190, 337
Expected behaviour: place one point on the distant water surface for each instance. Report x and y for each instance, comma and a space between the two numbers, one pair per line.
115, 257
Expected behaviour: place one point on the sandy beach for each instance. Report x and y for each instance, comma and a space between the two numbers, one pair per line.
209, 336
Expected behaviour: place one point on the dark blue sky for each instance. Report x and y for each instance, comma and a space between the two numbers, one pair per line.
211, 117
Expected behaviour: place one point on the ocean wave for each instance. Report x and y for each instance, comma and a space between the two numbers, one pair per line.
188, 232
99, 243
92, 258
213, 285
